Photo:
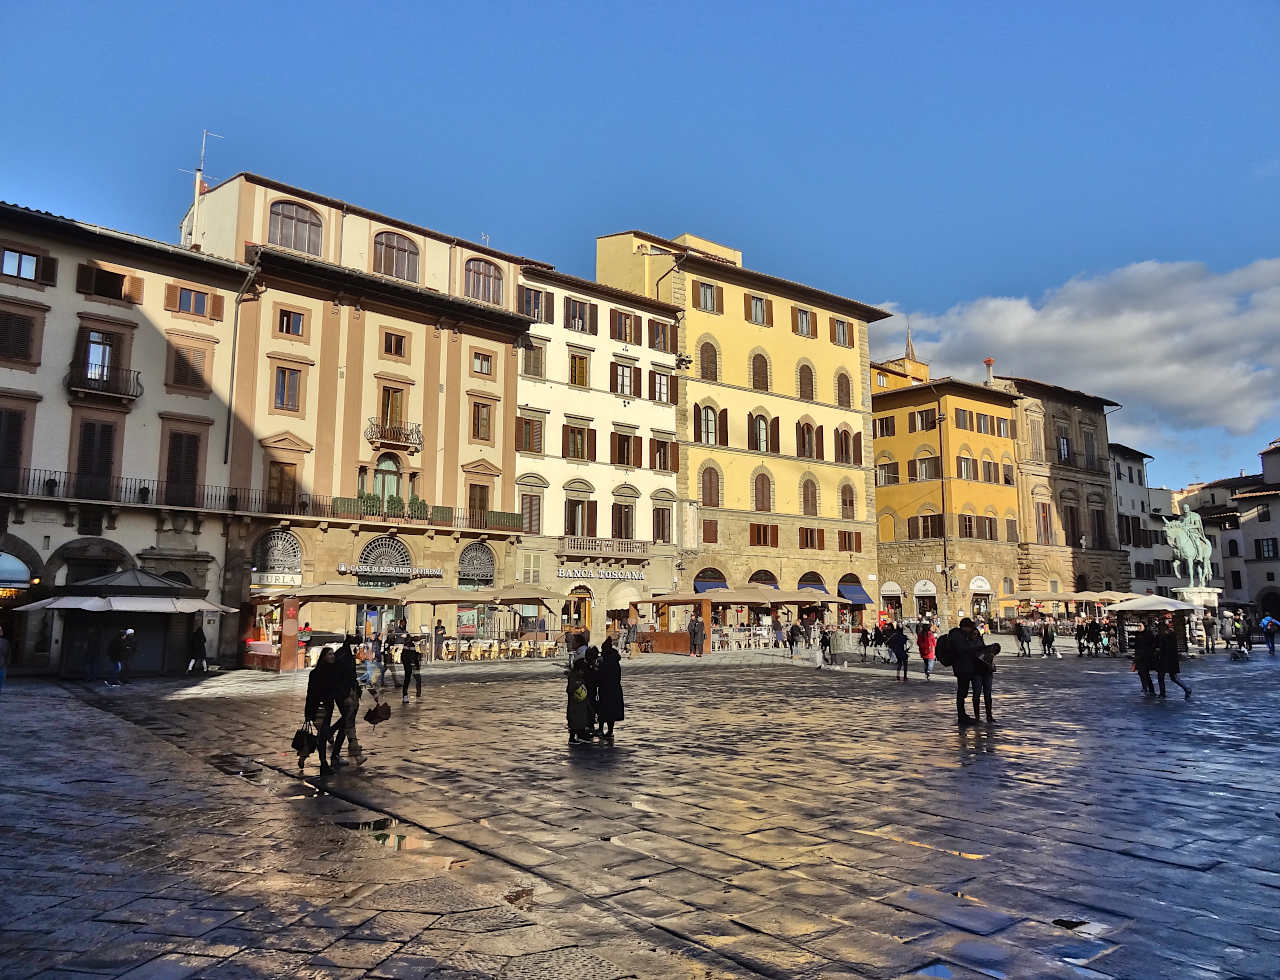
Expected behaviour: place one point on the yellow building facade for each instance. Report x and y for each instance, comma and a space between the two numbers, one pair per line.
946, 473
772, 418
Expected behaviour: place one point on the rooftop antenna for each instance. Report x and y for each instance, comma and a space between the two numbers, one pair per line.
200, 185
484, 238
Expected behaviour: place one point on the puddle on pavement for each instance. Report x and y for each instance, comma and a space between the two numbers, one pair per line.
378, 823
237, 765
935, 970
419, 845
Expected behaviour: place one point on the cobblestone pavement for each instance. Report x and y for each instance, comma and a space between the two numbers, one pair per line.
754, 821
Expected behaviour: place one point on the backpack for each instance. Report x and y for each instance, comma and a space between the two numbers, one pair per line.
942, 650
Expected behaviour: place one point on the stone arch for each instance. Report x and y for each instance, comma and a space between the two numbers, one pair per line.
664, 495
579, 485
887, 526
101, 550
762, 576
386, 549
626, 490
711, 574
806, 379
533, 480
847, 497
14, 545
476, 564
279, 550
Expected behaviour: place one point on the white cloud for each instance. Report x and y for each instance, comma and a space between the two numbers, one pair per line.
1180, 347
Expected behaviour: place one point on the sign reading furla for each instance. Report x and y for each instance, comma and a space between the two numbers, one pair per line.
615, 573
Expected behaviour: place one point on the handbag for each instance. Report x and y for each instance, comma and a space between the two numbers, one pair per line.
305, 740
580, 692
380, 711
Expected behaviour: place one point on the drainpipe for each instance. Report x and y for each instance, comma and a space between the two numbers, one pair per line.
235, 338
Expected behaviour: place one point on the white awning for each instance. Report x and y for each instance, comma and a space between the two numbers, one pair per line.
924, 587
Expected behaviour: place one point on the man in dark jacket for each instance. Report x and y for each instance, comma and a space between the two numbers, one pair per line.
971, 669
1144, 657
322, 695
411, 660
697, 632
348, 700
1168, 660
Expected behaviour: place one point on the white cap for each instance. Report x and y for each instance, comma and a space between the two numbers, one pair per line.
128, 632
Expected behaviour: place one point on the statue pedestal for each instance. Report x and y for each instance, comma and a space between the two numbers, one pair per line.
1206, 601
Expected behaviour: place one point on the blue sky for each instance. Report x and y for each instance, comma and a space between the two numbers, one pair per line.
925, 155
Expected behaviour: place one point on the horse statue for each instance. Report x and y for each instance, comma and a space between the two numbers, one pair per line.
1191, 549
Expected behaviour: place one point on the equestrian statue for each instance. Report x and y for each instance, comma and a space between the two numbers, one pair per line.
1191, 549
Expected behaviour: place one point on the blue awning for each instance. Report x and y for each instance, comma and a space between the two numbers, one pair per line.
855, 593
814, 585
706, 585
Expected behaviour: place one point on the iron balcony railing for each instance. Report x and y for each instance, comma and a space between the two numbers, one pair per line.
98, 380
603, 547
393, 433
136, 491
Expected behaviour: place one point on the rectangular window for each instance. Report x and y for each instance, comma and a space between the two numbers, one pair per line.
575, 442
623, 446
987, 529
883, 427
578, 318
531, 568
706, 297
850, 541
1007, 468
662, 455
12, 427
710, 532
1071, 525
290, 323
804, 323
393, 344
481, 363
1235, 580
481, 414
1011, 530
755, 307
16, 331
886, 474
964, 419
967, 526
188, 368
924, 468
288, 383
1044, 523
529, 435
622, 379
1264, 514
984, 423
531, 513
575, 517
1002, 428
661, 387
990, 471
924, 420
926, 526
108, 285
662, 525
20, 265
1098, 520
763, 535
532, 303
282, 484
661, 337
578, 375
840, 333
966, 468
1265, 549
534, 362
391, 406
192, 301
1064, 444
811, 538
1140, 477
182, 469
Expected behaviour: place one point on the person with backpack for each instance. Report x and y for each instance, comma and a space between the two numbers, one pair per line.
898, 645
793, 637
964, 652
1269, 626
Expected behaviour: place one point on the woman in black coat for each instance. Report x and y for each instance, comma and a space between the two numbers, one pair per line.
1168, 659
609, 706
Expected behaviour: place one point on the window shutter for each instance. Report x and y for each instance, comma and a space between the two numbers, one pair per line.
817, 438
15, 335
84, 279
567, 301
673, 388
857, 540
711, 535
795, 319
591, 518
591, 445
615, 513
833, 329
746, 307
799, 439
537, 436
548, 307
719, 299
613, 377
636, 375
673, 456
215, 306
912, 470
564, 442
697, 423
775, 438
653, 334
857, 448
722, 430
568, 518
1013, 428
768, 313
773, 535
822, 539
913, 528
133, 289
614, 332
171, 291
653, 454
520, 293
593, 324
47, 270
911, 421
637, 447
673, 332
653, 386
751, 432
613, 448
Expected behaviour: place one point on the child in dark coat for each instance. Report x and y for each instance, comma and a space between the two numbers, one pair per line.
579, 713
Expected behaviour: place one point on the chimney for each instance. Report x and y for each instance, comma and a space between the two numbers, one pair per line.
990, 362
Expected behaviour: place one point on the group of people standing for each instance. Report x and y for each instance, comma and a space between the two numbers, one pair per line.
593, 690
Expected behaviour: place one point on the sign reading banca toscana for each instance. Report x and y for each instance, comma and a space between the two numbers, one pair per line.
618, 573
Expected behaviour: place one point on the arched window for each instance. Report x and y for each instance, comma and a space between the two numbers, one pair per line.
294, 226
395, 255
806, 382
386, 477
708, 369
762, 433
708, 425
844, 447
710, 488
484, 281
764, 493
760, 373
809, 498
844, 392
848, 503
805, 445
1233, 548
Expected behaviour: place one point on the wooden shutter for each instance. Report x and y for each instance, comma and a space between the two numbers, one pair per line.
673, 337
613, 377
719, 299
15, 335
591, 445
537, 435
132, 289
833, 329
775, 436
913, 528
520, 298
711, 532
565, 439
817, 443
84, 279
567, 302
568, 518
591, 518
697, 423
911, 421
722, 429
673, 397
746, 307
751, 432
188, 367
673, 456
593, 320
636, 376
548, 307
615, 332
12, 423
822, 539
172, 294
653, 386
637, 448
653, 334
47, 270
795, 319
857, 540
857, 448
912, 471
768, 313
773, 535
183, 466
653, 454
615, 515
216, 301
799, 439
614, 454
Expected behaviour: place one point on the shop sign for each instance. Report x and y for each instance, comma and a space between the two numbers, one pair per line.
389, 571
265, 579
613, 573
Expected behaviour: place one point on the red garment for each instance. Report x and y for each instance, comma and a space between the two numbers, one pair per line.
926, 644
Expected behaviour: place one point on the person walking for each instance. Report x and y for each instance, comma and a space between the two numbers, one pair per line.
411, 661
1210, 632
966, 651
348, 702
120, 651
824, 646
633, 640
1081, 638
609, 704
1047, 637
1269, 626
387, 656
926, 643
697, 632
1168, 660
1024, 638
1244, 635
322, 695
1144, 657
439, 635
196, 645
898, 644
779, 633
1093, 637
793, 637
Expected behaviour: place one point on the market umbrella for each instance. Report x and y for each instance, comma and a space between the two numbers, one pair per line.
88, 603
443, 595
1151, 603
527, 595
339, 593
